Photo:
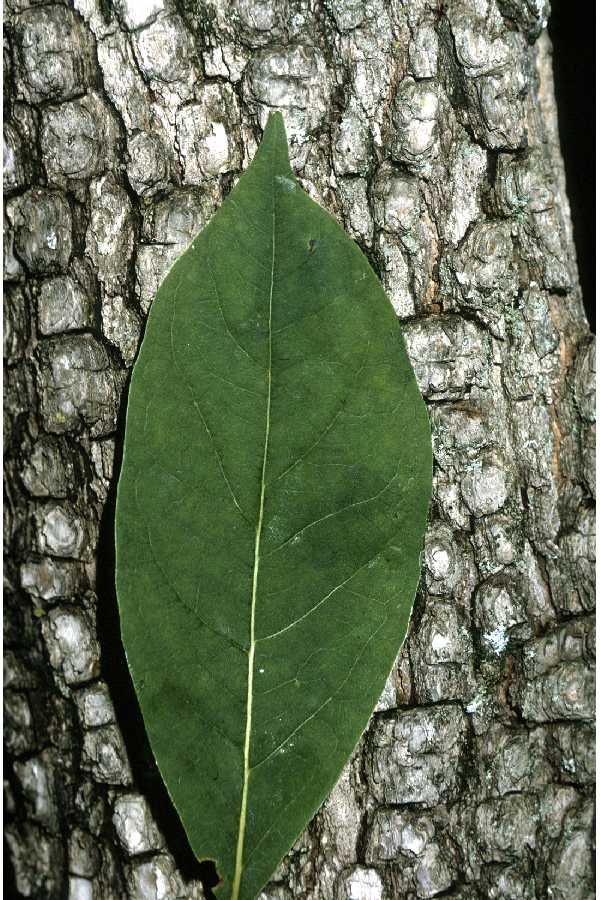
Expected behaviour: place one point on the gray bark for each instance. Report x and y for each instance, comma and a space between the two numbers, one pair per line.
428, 129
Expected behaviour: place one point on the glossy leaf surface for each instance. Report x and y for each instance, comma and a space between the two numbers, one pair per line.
270, 515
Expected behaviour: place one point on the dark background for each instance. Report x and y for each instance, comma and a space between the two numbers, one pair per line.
573, 38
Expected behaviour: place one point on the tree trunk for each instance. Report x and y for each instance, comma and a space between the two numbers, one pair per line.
428, 129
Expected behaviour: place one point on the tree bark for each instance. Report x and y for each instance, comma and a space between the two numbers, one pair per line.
429, 130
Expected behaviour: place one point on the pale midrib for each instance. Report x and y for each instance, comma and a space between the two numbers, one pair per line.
239, 855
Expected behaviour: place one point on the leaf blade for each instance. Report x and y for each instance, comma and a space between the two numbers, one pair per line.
272, 366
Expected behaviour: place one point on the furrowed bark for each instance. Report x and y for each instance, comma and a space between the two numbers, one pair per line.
429, 130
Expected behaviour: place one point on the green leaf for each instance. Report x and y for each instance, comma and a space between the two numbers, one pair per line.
271, 508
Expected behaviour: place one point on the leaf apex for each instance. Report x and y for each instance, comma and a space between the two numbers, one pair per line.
275, 143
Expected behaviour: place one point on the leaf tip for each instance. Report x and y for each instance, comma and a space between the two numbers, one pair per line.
275, 142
